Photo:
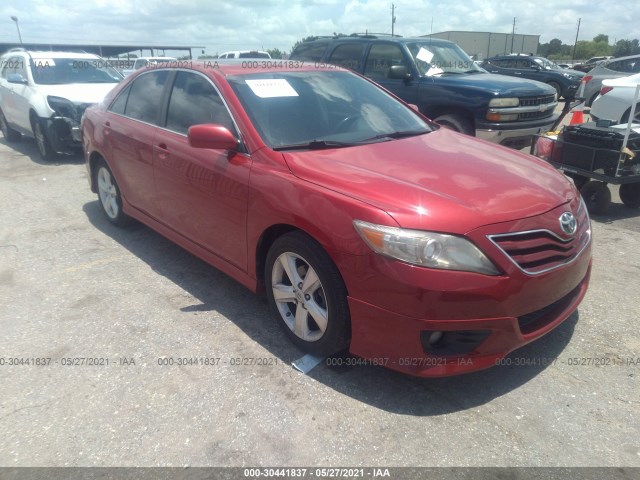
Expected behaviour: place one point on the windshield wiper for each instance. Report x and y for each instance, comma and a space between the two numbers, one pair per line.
314, 145
392, 135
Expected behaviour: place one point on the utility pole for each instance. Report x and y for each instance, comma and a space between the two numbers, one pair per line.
15, 19
393, 18
513, 33
573, 57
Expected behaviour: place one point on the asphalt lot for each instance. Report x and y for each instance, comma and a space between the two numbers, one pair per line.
73, 286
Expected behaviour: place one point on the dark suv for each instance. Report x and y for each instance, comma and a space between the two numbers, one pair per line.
445, 84
565, 81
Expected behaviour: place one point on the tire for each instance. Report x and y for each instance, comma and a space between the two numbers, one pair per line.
557, 87
457, 123
630, 194
109, 195
42, 141
9, 133
636, 116
307, 294
597, 196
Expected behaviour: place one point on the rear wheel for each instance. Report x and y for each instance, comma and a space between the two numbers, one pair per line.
455, 122
630, 194
307, 294
9, 133
597, 196
110, 196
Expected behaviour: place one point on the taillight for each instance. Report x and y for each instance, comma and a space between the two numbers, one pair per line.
586, 79
604, 90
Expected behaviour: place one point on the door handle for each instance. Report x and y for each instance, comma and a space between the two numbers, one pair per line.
162, 146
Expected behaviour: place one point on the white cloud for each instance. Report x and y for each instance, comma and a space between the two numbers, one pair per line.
227, 25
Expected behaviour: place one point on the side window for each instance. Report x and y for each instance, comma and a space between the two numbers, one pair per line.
145, 96
524, 64
381, 57
311, 51
118, 106
347, 55
14, 65
193, 101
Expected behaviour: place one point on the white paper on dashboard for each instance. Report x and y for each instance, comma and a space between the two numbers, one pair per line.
272, 87
424, 55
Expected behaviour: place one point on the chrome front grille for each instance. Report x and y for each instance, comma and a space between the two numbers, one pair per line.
539, 251
535, 101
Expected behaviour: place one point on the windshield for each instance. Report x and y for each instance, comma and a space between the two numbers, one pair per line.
438, 59
546, 64
322, 109
61, 71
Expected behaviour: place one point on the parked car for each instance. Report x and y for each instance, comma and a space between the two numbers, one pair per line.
616, 68
615, 100
444, 83
368, 226
591, 63
564, 81
245, 54
142, 62
43, 95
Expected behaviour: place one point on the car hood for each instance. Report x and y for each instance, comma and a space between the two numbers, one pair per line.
504, 85
442, 181
79, 92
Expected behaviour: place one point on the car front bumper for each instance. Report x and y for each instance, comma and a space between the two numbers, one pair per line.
396, 307
516, 136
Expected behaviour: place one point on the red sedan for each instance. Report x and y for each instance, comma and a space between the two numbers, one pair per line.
369, 227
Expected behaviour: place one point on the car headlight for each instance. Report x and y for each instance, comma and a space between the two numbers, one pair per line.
569, 76
504, 102
63, 107
425, 249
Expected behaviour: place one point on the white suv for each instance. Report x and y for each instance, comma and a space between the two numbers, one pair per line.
245, 54
44, 94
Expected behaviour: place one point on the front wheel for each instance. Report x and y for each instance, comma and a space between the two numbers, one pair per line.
456, 123
110, 196
307, 294
42, 141
597, 196
557, 88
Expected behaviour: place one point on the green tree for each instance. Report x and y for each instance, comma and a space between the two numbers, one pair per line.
622, 48
600, 38
275, 52
555, 47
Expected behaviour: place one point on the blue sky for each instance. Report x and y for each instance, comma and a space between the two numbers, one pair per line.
221, 25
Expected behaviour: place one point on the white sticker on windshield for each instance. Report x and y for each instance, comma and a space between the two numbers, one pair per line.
43, 62
424, 55
272, 87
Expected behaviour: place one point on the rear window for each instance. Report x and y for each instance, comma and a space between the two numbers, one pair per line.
254, 55
311, 51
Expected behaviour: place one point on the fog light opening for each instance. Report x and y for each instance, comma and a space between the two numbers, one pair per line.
435, 337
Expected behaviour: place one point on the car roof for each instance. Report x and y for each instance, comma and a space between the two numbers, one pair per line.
374, 38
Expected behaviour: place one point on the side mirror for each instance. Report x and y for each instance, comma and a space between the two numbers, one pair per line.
211, 136
399, 72
16, 78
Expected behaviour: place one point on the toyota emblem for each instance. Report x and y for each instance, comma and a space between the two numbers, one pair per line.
568, 223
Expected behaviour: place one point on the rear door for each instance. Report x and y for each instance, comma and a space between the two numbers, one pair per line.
203, 193
130, 129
